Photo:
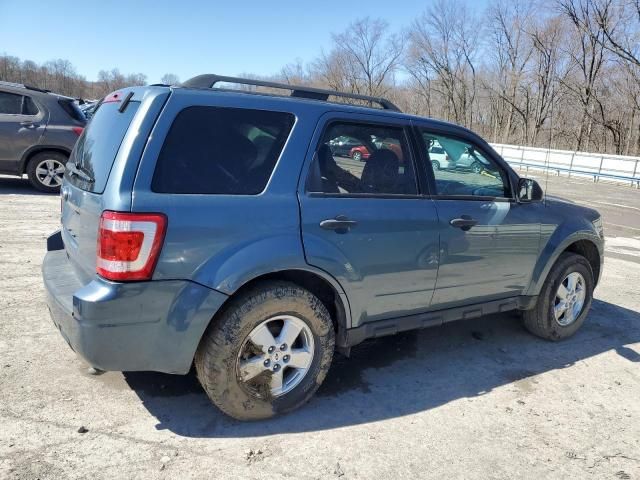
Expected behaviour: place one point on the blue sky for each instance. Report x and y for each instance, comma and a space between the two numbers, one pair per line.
184, 37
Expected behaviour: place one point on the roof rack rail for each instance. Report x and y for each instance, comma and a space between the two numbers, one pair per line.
11, 84
209, 80
43, 90
20, 85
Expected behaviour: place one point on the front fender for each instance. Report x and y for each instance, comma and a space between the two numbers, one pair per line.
558, 242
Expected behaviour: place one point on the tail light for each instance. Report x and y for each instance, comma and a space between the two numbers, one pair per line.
129, 245
77, 130
113, 97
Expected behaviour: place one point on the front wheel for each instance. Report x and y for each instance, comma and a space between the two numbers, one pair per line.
357, 156
436, 164
476, 168
564, 301
267, 353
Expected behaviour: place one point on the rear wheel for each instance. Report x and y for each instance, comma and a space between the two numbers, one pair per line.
357, 155
267, 353
45, 171
436, 164
564, 301
476, 167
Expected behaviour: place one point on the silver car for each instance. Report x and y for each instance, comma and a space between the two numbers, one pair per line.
38, 130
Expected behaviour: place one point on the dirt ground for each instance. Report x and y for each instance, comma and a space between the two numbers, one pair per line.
478, 399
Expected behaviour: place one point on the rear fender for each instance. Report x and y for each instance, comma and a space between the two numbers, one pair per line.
229, 270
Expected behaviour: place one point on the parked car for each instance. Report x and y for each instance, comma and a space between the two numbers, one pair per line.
232, 239
38, 130
88, 108
470, 160
440, 160
359, 153
343, 145
362, 153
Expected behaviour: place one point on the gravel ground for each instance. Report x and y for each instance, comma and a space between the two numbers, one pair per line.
475, 399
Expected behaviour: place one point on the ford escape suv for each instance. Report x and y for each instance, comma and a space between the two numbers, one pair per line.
215, 227
38, 130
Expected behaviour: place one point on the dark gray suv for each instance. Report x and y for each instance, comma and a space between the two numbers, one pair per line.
38, 130
216, 227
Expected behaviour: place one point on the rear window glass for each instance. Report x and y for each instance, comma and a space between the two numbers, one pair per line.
98, 145
212, 150
72, 109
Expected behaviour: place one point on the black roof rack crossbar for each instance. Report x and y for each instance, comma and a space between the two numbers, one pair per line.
209, 81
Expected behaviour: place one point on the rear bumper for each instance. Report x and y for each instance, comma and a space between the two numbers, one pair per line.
154, 325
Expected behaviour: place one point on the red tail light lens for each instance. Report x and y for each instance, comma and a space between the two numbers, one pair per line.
77, 130
113, 97
129, 245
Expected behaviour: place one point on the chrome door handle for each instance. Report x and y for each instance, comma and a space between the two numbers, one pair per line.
465, 222
340, 224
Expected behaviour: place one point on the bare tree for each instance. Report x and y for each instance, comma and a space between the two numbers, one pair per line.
294, 73
170, 79
364, 58
443, 43
511, 50
588, 56
619, 21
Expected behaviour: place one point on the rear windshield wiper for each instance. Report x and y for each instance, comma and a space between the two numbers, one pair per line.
74, 169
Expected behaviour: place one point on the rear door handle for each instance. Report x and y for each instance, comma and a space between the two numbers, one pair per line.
340, 224
465, 222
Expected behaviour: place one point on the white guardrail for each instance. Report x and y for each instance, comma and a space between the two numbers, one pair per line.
616, 168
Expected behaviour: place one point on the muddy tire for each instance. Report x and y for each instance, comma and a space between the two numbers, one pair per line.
558, 314
236, 346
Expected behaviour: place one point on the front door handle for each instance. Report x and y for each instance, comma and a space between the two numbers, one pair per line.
465, 222
340, 224
28, 124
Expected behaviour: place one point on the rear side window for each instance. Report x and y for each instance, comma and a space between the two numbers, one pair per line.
29, 107
362, 159
13, 104
10, 103
98, 145
212, 150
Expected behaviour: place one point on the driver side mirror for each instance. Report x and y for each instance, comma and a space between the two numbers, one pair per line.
529, 191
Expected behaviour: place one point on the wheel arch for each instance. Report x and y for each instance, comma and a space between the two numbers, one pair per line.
586, 244
36, 149
319, 283
588, 250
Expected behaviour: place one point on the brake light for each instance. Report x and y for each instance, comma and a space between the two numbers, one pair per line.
113, 97
77, 130
129, 245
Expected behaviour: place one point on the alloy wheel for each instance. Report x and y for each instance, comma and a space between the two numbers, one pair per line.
275, 356
569, 299
50, 172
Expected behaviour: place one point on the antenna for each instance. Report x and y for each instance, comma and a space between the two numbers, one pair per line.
548, 156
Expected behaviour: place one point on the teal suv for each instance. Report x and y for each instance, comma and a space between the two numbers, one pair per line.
211, 226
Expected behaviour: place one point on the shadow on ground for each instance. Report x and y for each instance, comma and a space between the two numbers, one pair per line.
401, 375
18, 186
